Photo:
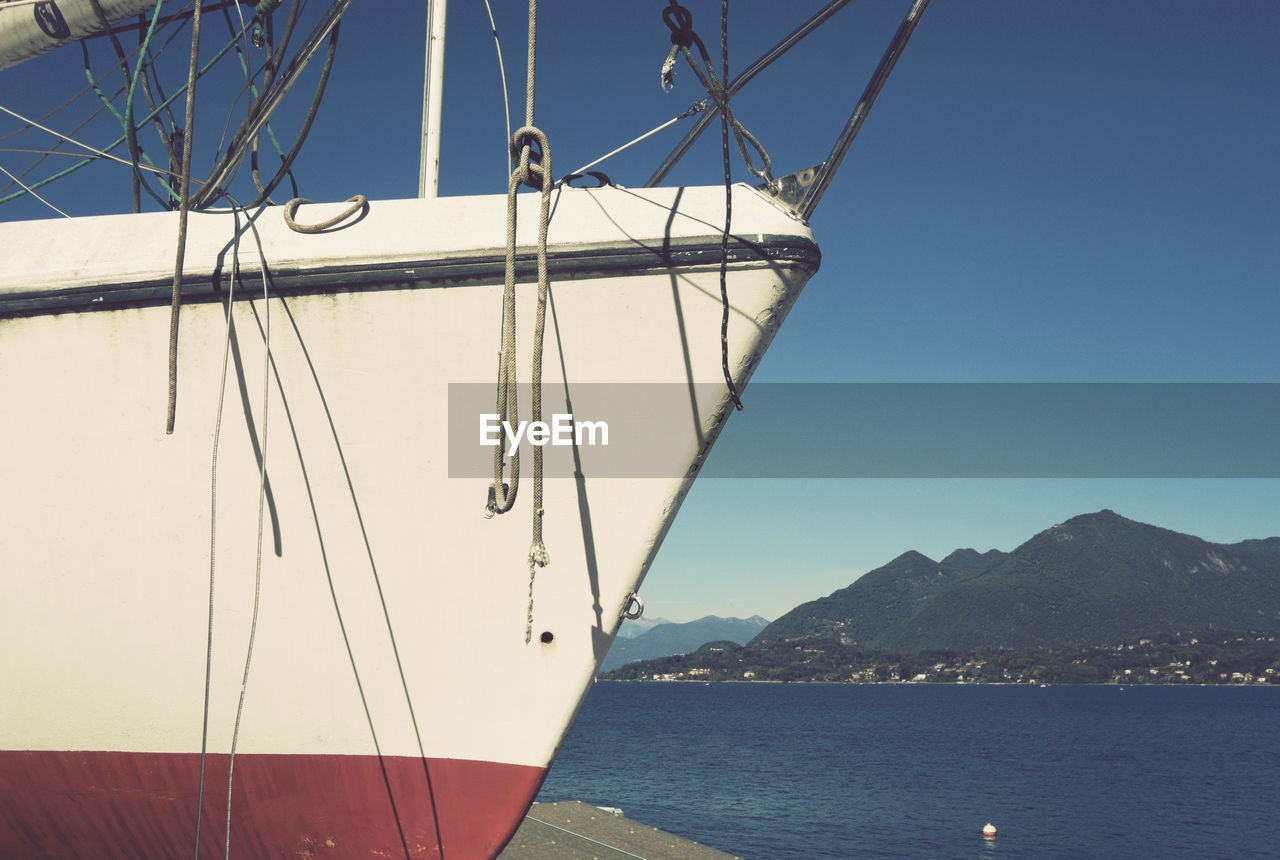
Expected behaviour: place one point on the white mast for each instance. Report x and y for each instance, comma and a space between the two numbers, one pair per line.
432, 96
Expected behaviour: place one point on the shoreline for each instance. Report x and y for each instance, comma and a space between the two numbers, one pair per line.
1125, 685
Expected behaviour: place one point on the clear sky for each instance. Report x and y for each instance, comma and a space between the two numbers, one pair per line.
1045, 192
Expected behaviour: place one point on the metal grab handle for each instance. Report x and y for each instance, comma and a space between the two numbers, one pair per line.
629, 613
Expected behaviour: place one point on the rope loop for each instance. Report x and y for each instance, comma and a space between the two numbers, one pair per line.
528, 137
532, 154
359, 204
529, 149
680, 21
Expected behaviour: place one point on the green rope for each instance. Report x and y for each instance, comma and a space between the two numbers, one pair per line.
258, 38
130, 130
124, 123
164, 105
258, 33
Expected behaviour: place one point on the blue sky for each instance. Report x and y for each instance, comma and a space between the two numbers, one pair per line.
1048, 192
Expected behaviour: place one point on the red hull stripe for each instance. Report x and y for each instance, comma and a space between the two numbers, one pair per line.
142, 805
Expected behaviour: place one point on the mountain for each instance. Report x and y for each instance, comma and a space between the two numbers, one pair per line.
1269, 546
1095, 579
634, 628
879, 599
667, 639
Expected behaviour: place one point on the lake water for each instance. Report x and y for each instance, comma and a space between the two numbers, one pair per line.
811, 771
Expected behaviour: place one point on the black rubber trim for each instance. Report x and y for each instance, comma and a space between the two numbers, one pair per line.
487, 267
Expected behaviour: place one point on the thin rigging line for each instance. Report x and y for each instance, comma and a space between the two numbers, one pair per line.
97, 153
213, 521
119, 140
377, 580
587, 838
333, 593
506, 97
262, 495
33, 193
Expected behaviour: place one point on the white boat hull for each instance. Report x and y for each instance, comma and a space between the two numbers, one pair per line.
392, 702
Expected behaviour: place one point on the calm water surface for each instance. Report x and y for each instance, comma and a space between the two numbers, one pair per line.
809, 771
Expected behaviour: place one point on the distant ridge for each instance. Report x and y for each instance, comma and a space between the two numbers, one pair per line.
878, 600
1095, 579
667, 639
644, 624
1269, 546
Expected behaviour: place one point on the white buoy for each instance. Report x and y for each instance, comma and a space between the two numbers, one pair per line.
989, 832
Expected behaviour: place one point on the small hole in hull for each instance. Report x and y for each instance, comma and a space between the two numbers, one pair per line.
547, 636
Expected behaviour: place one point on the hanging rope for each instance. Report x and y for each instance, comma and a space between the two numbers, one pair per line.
728, 206
680, 22
183, 201
532, 155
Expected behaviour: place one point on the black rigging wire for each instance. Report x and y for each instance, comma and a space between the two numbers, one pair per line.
287, 160
728, 208
275, 75
131, 130
266, 102
680, 21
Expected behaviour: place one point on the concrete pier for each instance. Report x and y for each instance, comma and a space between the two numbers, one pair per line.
570, 830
